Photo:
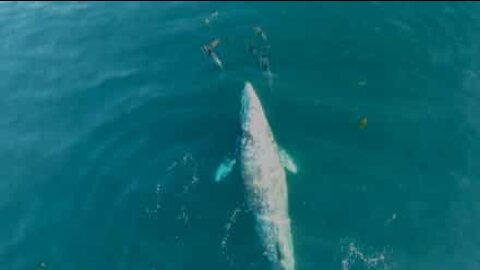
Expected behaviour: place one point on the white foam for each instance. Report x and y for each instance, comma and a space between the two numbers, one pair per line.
355, 256
228, 226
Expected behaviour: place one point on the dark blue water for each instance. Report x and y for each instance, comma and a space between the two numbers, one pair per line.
112, 123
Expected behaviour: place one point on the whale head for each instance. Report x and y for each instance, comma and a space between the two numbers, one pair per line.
254, 122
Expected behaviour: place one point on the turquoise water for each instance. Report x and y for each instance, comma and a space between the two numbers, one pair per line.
112, 123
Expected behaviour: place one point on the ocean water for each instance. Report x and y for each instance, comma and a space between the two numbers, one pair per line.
112, 123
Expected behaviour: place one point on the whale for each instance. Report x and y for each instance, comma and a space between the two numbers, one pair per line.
263, 166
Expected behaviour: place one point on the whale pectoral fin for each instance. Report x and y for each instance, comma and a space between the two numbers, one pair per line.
287, 161
224, 169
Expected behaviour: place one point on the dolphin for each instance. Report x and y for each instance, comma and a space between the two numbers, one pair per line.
216, 60
262, 164
208, 50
